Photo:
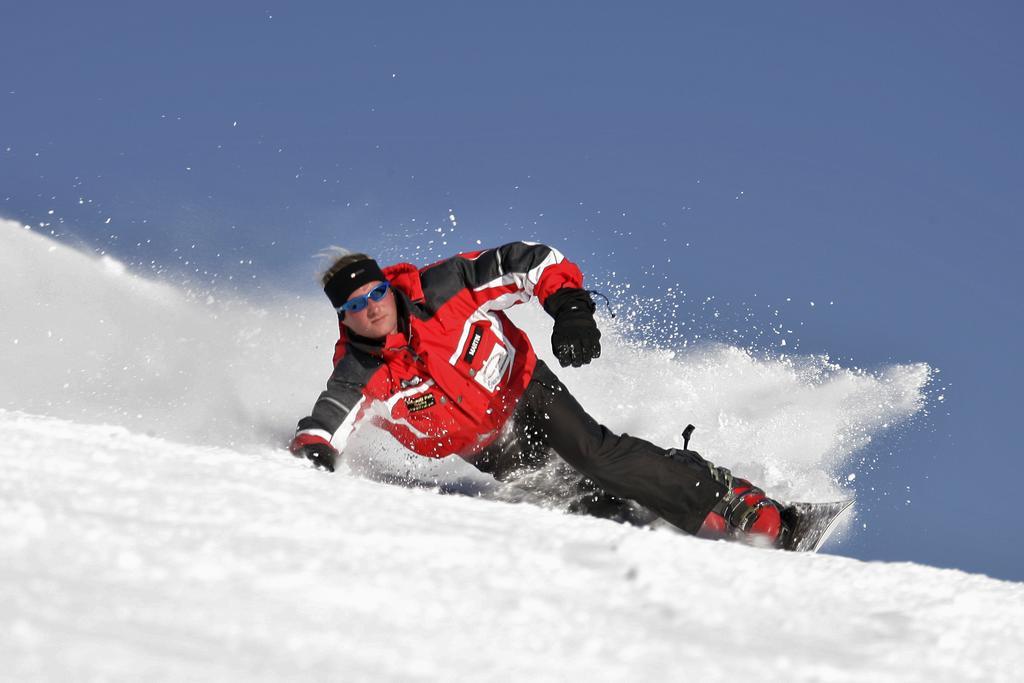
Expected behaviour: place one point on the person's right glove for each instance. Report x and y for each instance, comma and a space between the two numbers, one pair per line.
322, 455
575, 338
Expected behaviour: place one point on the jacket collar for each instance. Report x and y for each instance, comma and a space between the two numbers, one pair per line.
406, 278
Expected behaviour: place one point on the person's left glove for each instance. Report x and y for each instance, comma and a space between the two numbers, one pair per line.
575, 338
320, 454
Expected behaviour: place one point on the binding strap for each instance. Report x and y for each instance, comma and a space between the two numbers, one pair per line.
732, 506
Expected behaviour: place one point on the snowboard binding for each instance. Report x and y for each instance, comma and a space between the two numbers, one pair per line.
744, 513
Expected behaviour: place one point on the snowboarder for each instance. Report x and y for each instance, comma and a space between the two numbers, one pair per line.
429, 355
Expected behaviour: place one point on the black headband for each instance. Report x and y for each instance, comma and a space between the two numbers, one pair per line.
350, 278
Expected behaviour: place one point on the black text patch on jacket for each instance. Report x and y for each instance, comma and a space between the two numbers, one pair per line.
474, 344
421, 402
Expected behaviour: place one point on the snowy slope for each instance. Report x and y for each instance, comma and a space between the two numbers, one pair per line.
126, 557
152, 527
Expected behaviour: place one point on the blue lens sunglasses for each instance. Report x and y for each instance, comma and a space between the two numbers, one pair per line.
360, 302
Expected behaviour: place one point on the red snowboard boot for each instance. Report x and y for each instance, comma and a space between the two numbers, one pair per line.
744, 513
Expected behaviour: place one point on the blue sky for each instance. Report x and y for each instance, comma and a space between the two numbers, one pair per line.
867, 154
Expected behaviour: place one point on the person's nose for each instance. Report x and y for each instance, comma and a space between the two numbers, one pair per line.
372, 306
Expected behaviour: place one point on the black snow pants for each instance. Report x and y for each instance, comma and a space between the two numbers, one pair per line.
675, 484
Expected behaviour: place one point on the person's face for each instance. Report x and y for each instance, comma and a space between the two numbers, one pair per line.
378, 319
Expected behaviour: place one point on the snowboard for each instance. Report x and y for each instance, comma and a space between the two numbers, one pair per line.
810, 524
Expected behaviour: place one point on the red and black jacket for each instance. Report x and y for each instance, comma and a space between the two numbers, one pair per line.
450, 378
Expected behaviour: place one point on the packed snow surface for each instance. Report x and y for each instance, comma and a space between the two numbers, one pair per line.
126, 557
152, 527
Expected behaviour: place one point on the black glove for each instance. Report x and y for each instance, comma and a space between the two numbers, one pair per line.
320, 454
575, 338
